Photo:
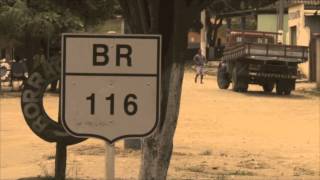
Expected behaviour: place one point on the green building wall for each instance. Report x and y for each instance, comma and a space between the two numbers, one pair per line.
268, 22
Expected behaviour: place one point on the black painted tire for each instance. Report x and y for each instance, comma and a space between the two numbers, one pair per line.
33, 110
285, 86
287, 91
240, 77
223, 78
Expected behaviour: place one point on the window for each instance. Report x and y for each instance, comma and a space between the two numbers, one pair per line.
293, 35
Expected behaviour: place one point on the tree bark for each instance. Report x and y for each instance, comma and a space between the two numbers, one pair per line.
157, 149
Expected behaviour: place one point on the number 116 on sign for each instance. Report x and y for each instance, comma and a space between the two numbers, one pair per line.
130, 106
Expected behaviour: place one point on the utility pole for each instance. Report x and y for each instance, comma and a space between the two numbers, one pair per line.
280, 21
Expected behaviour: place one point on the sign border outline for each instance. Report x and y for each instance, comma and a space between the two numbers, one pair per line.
64, 74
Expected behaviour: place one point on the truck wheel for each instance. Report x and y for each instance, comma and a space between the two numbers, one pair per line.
235, 80
223, 78
268, 87
240, 77
290, 85
280, 87
287, 91
285, 86
243, 87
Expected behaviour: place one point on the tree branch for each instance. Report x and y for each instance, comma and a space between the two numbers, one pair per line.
153, 7
144, 16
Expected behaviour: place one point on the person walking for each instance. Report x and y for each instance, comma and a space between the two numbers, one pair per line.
200, 61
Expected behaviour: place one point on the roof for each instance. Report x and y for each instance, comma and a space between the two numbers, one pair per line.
273, 8
308, 4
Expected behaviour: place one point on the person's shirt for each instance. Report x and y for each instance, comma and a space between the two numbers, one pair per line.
199, 60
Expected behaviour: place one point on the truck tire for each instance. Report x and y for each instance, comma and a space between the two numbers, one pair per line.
268, 87
240, 77
285, 86
223, 79
287, 91
280, 87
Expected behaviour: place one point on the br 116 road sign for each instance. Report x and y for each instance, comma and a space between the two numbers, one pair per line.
110, 85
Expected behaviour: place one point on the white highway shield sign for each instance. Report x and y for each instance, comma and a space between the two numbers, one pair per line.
110, 85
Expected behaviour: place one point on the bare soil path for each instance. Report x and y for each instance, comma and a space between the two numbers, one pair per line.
220, 135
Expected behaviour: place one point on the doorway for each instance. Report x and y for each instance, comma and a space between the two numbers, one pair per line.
293, 35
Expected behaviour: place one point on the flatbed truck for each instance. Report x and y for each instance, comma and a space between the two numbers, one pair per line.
252, 57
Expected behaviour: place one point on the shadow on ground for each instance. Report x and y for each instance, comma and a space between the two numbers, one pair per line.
17, 94
37, 178
262, 94
10, 94
45, 178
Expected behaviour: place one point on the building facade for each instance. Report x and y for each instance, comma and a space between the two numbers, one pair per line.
268, 23
303, 23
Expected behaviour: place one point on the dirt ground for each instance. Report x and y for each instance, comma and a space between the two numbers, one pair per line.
220, 135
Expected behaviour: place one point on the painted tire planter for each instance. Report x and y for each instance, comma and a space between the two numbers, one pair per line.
33, 110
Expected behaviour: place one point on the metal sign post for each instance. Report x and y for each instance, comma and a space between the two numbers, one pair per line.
110, 87
110, 162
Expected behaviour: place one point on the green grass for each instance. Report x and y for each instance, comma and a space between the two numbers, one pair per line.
45, 178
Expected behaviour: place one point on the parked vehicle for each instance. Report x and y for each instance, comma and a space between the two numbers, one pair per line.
252, 57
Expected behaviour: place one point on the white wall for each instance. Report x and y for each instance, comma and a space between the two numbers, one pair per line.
318, 63
297, 18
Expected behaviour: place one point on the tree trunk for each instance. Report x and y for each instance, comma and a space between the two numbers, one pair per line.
157, 149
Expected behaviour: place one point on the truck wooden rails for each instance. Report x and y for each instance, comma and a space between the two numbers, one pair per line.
252, 57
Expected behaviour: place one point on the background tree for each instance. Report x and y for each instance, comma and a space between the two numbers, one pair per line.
28, 25
171, 19
11, 23
32, 24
